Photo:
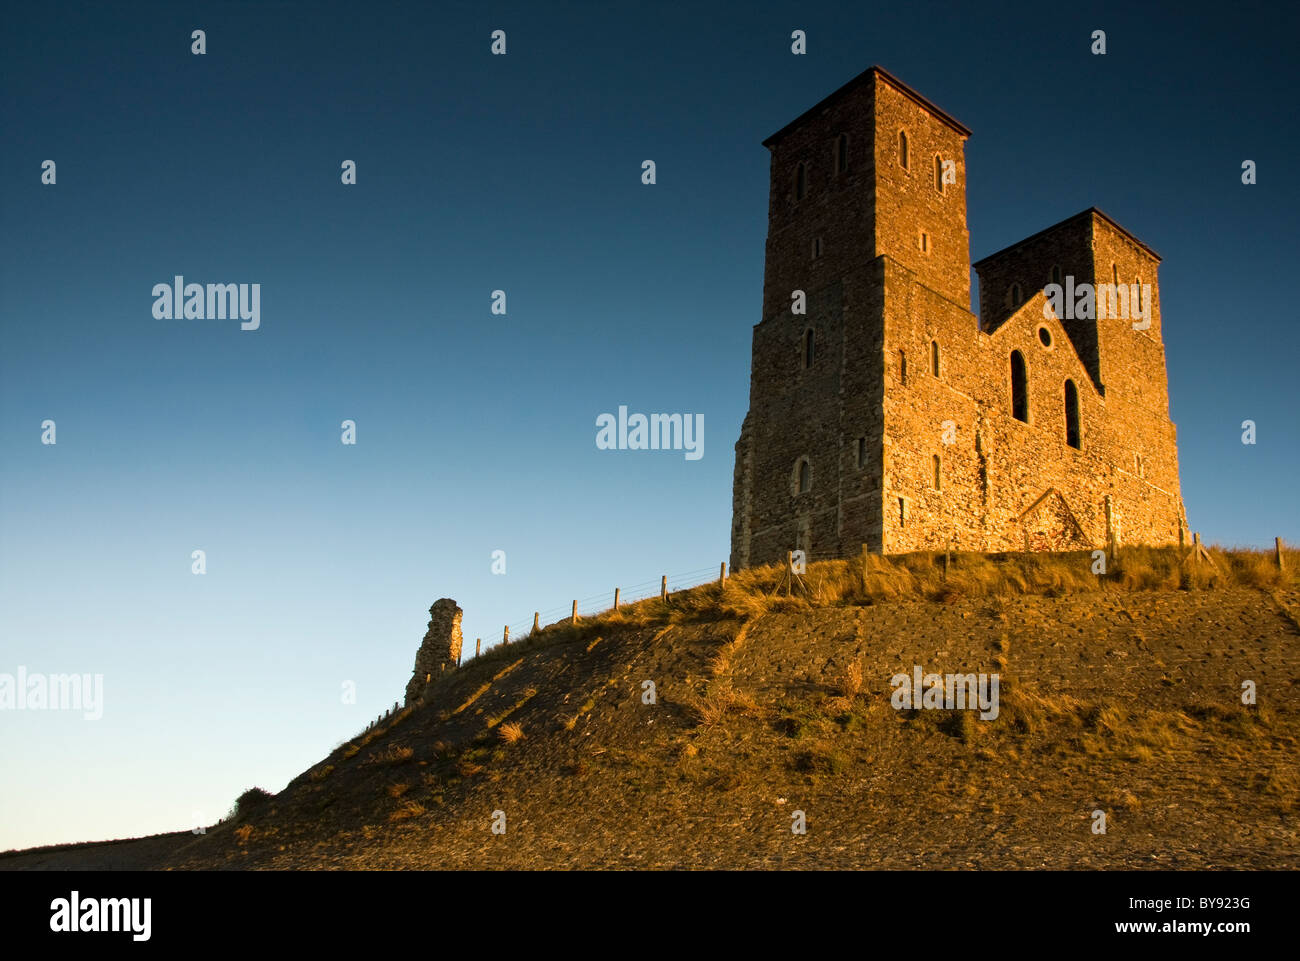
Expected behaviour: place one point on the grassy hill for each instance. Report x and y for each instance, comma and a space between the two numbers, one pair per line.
1119, 693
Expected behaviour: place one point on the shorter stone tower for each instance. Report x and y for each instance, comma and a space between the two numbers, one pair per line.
440, 649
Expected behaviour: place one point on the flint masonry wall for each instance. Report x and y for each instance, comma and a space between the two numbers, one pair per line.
440, 649
883, 256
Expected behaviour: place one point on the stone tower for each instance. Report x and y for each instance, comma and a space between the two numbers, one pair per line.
884, 412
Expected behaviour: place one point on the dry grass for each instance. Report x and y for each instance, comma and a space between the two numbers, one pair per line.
321, 773
721, 700
409, 809
397, 790
511, 732
243, 833
851, 682
395, 754
751, 593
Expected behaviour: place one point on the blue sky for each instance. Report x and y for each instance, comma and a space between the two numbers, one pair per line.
476, 432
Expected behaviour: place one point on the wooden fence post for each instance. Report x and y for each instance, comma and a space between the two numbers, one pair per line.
722, 574
663, 588
505, 635
789, 571
616, 598
478, 645
574, 618
536, 617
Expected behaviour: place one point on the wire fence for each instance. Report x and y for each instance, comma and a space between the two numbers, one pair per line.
605, 600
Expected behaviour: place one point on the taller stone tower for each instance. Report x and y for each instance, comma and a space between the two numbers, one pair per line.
882, 412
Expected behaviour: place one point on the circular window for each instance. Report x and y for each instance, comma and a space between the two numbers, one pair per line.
1045, 336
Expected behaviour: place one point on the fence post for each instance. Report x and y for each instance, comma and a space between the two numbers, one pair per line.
1277, 551
505, 635
478, 645
789, 571
1196, 549
663, 588
616, 598
574, 618
536, 626
722, 574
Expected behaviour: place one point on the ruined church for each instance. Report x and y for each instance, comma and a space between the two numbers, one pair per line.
884, 412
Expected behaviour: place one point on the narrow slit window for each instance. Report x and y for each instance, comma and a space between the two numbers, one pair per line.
902, 367
902, 149
800, 181
1019, 387
1072, 435
809, 347
934, 358
841, 153
805, 476
938, 173
937, 464
862, 452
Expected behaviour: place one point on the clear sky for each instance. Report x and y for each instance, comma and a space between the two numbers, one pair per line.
476, 432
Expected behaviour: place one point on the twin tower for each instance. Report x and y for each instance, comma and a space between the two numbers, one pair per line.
884, 412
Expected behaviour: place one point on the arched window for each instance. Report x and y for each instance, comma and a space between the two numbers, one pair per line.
809, 342
805, 476
902, 149
938, 472
1072, 415
938, 173
800, 181
934, 358
1019, 387
841, 153
902, 367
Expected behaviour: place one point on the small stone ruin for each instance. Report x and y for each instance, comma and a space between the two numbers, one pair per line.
440, 649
